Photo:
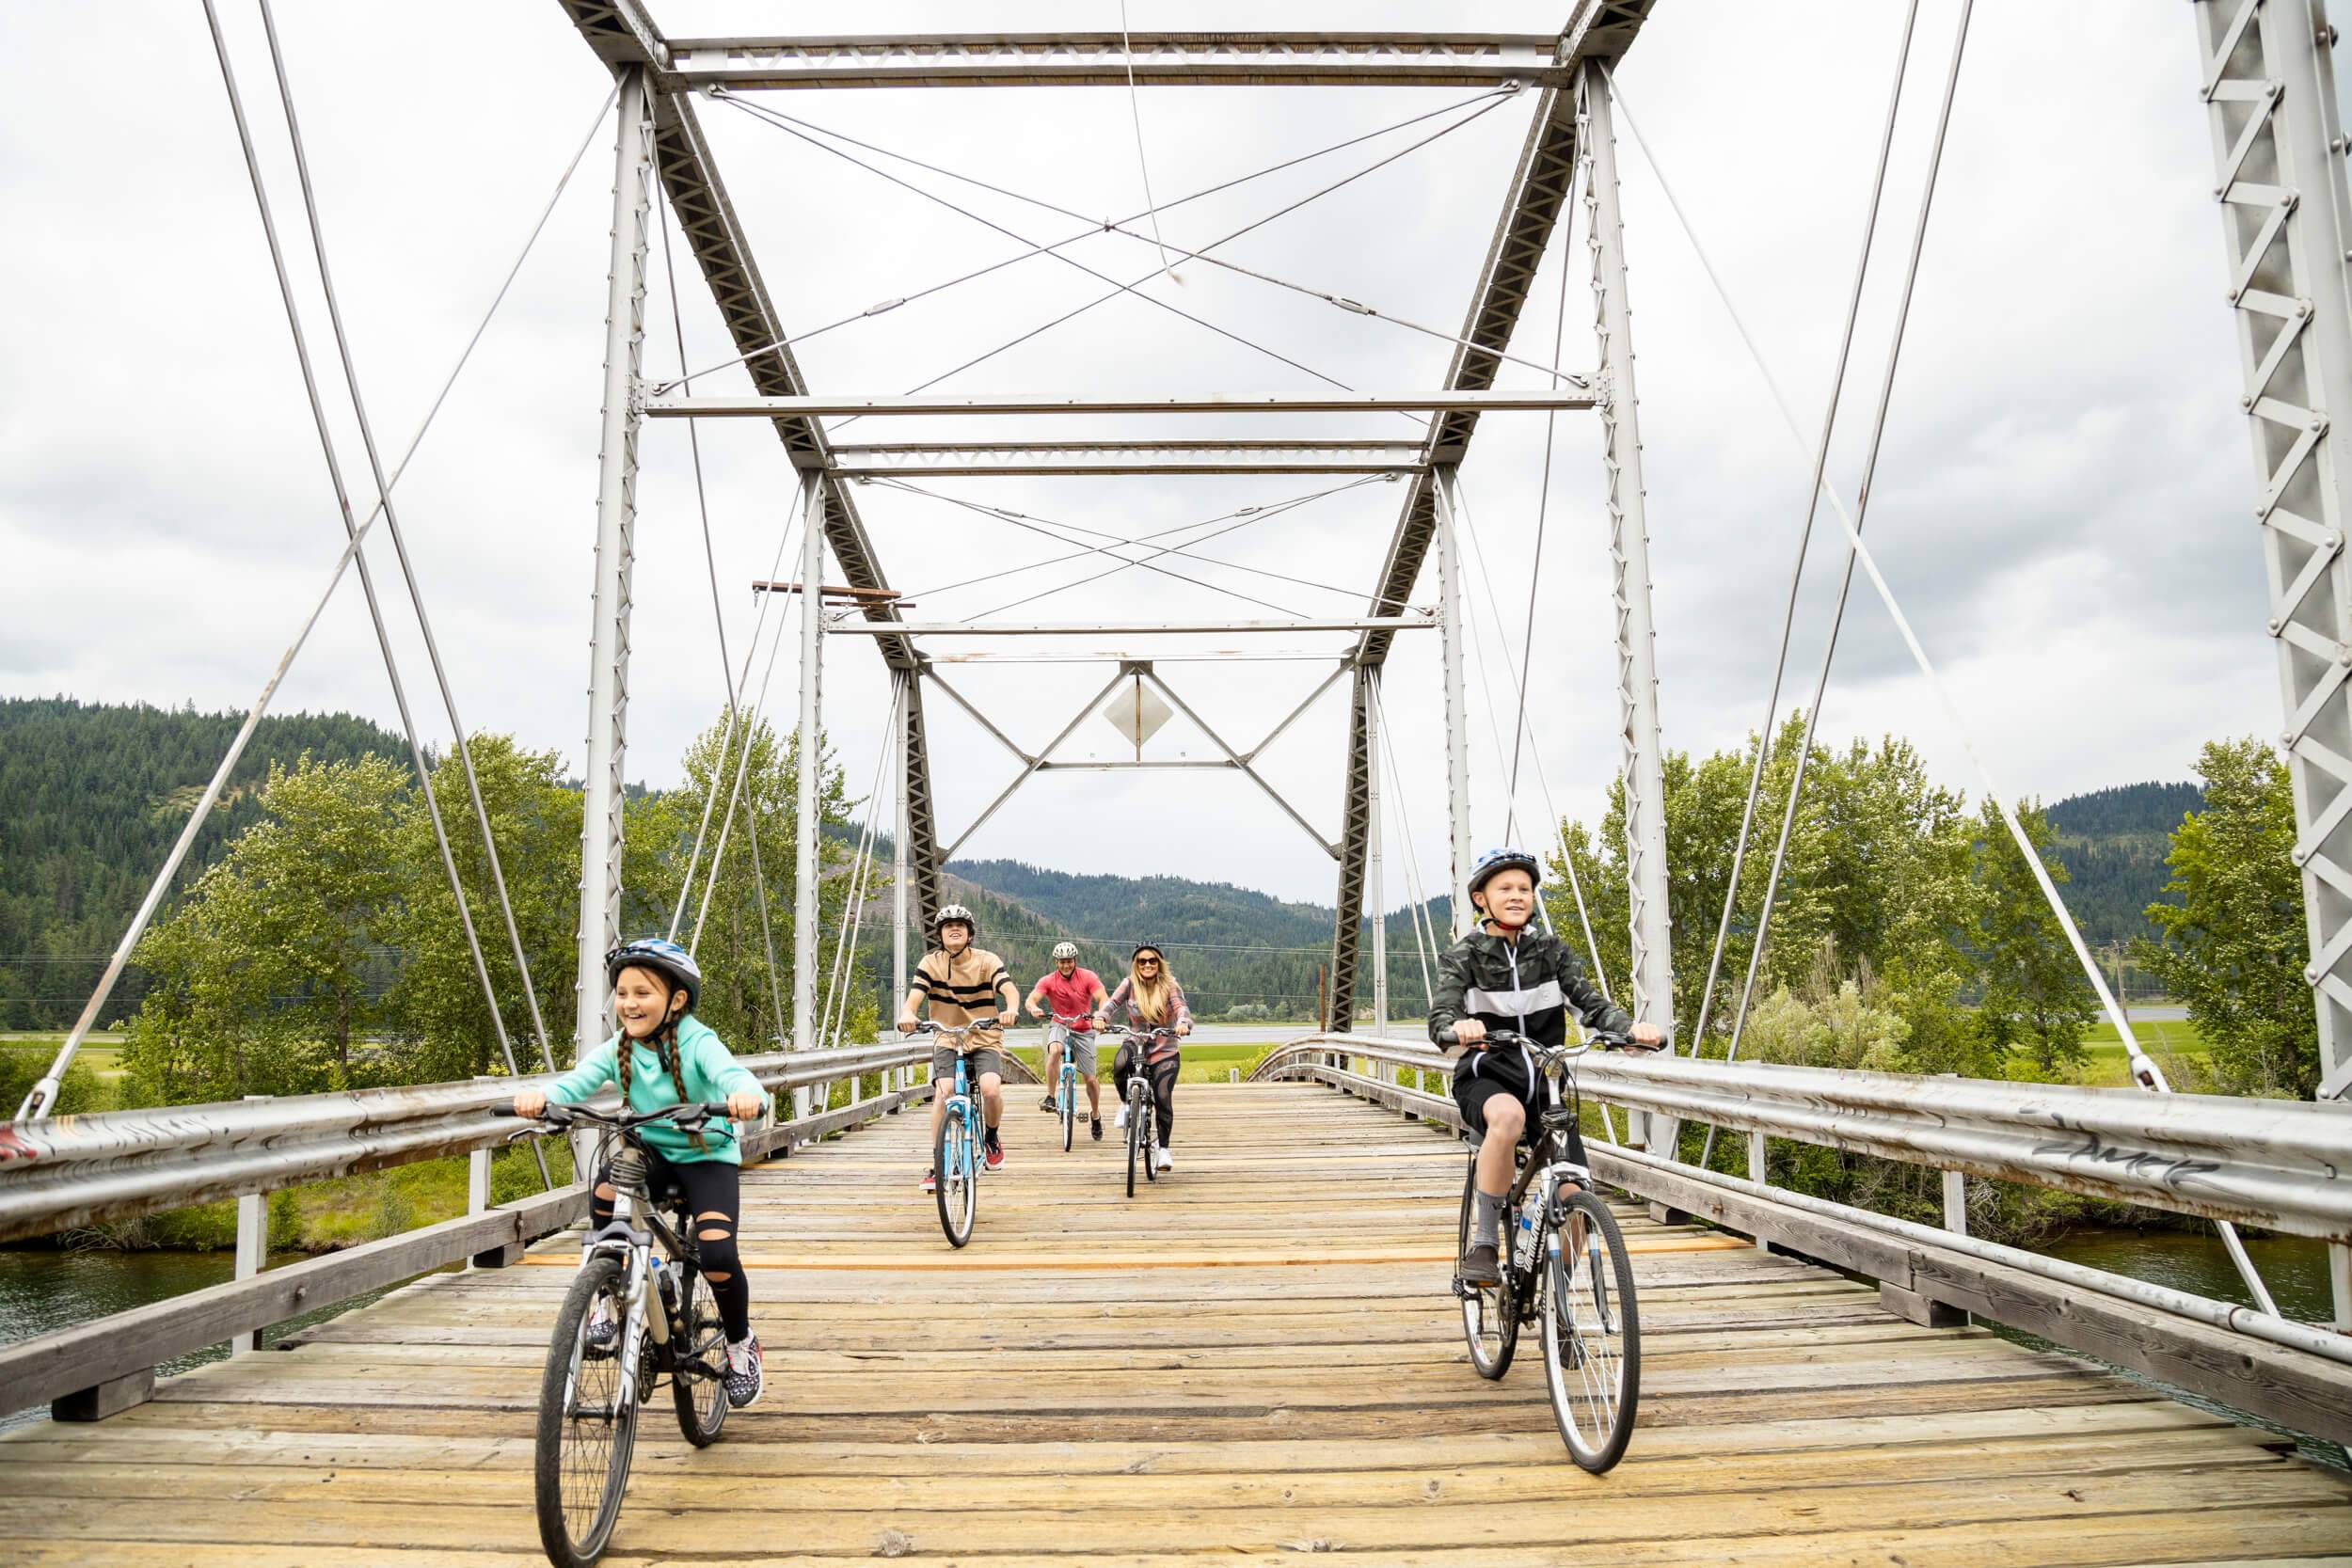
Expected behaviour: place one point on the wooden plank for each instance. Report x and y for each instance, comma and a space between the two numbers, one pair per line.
1214, 1371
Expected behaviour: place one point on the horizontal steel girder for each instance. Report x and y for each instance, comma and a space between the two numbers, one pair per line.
1130, 628
1106, 59
977, 459
815, 407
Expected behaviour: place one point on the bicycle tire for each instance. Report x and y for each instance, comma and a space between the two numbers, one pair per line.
957, 1185
1490, 1315
1069, 1095
700, 1417
1592, 1339
1134, 1143
577, 1506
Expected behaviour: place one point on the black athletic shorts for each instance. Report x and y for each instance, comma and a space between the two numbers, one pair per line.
1506, 1071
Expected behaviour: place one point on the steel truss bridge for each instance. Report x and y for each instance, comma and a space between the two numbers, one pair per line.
1282, 1383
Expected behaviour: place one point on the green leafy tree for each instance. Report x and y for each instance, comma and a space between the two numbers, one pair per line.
2036, 998
272, 972
1877, 868
444, 1021
739, 999
2235, 944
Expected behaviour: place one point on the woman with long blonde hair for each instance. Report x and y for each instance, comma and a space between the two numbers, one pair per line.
1158, 1017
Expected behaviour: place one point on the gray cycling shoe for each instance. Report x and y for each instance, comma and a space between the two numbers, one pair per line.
1481, 1265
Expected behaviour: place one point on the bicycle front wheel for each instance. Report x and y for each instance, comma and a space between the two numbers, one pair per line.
1136, 1152
587, 1419
1592, 1334
695, 1378
959, 1192
1490, 1313
1068, 1108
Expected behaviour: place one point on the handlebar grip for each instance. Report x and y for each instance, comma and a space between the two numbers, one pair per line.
502, 1110
714, 1108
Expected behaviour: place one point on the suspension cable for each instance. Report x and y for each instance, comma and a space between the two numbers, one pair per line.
743, 757
718, 764
760, 112
1125, 229
41, 1099
416, 596
1805, 536
1134, 113
2144, 1069
1214, 244
1243, 517
844, 966
342, 501
1543, 511
1092, 228
1412, 870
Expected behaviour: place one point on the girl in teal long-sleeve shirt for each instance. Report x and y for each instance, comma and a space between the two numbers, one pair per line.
664, 1055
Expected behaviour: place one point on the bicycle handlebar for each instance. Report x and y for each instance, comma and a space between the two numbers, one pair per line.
690, 1114
1600, 1039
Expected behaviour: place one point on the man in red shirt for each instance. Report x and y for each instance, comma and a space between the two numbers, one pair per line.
1072, 994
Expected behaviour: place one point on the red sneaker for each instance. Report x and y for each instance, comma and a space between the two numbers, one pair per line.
994, 1152
930, 1181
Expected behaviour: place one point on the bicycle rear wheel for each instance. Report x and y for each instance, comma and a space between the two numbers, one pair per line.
695, 1373
1490, 1313
1592, 1336
959, 1192
587, 1422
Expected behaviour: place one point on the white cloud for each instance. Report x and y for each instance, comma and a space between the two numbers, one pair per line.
2062, 498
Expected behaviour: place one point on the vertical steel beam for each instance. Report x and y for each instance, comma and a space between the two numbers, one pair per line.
899, 859
616, 527
2269, 86
1651, 933
1355, 845
1457, 796
2270, 91
1374, 879
809, 768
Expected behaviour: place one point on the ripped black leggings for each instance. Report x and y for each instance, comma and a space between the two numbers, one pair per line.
714, 1201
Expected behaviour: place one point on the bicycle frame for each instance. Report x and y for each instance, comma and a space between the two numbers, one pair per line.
1547, 1162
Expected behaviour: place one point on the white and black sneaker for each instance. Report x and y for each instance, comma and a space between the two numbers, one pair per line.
743, 1377
603, 1327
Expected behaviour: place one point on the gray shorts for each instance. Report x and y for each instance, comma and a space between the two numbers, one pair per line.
985, 1059
1080, 1044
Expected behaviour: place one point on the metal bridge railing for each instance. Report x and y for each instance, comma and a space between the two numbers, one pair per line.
74, 1171
2281, 1165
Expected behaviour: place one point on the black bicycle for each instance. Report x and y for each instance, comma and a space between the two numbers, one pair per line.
1143, 1114
615, 1339
1565, 1267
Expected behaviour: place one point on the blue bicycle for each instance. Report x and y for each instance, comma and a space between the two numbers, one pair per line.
956, 1154
1063, 1031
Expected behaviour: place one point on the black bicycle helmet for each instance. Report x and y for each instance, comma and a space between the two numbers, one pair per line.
664, 958
1151, 947
1506, 859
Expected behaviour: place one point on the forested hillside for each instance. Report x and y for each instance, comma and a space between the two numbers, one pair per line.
92, 795
2113, 842
91, 798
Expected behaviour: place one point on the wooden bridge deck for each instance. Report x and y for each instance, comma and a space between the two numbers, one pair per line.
1252, 1360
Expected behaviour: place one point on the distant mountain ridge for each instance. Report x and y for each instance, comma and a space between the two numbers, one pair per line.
2113, 842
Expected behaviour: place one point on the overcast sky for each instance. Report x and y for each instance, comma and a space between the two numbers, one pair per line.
2062, 500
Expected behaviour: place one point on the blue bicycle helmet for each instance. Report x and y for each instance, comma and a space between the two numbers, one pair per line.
1505, 858
663, 957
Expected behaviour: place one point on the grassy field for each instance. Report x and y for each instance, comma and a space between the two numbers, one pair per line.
1203, 1064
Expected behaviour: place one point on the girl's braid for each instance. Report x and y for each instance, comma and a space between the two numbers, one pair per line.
665, 1043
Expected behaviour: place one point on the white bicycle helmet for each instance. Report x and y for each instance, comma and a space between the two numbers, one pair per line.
956, 911
1065, 950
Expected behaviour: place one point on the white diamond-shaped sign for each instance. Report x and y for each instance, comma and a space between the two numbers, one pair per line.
1136, 713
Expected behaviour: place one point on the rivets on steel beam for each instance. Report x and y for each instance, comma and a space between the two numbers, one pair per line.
2274, 625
